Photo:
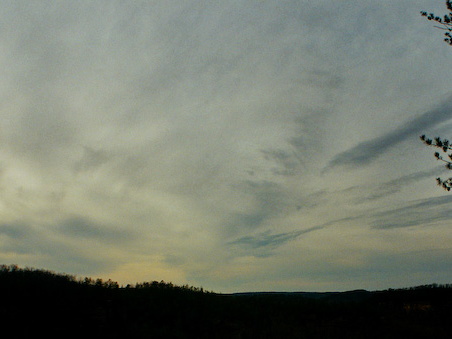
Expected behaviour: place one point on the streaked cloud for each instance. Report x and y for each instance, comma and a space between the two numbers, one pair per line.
422, 213
267, 241
367, 151
215, 142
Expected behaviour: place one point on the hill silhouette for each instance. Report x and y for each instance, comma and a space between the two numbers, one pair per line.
40, 302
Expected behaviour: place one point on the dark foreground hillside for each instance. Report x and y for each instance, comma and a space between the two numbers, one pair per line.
38, 302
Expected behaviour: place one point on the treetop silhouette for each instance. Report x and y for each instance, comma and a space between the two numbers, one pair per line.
443, 144
445, 21
445, 147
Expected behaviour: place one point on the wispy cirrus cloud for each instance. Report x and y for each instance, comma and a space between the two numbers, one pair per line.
418, 213
371, 193
270, 241
366, 152
264, 243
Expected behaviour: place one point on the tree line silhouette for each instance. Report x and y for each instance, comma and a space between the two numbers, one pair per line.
35, 302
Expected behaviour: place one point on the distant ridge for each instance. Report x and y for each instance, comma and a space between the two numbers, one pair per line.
38, 302
348, 296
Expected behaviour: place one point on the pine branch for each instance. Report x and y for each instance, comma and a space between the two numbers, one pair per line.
445, 146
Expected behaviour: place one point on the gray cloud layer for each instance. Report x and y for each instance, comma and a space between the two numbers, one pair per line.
186, 140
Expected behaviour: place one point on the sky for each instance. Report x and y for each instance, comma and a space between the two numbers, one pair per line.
231, 145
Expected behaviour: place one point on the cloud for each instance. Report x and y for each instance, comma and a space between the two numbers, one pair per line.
31, 245
186, 136
424, 266
91, 159
396, 185
369, 193
74, 244
264, 243
366, 152
270, 241
14, 231
287, 163
81, 227
265, 200
418, 213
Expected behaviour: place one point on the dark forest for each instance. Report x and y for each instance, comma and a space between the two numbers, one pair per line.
40, 302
